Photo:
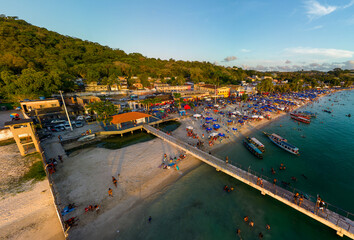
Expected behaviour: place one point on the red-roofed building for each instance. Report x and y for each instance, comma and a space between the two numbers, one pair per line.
134, 117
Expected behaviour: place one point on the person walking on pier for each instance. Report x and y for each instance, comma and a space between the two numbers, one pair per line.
261, 183
301, 199
258, 181
274, 181
227, 159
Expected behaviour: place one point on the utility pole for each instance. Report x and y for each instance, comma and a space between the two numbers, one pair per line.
67, 114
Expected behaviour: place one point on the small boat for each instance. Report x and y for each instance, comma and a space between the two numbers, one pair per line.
282, 143
300, 118
327, 111
253, 149
257, 143
87, 138
307, 114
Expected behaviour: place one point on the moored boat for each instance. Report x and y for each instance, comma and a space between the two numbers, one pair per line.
257, 143
282, 143
300, 118
253, 149
87, 138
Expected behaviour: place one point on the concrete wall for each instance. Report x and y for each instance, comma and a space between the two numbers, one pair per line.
5, 133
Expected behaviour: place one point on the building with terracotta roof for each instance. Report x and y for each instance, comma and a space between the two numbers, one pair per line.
130, 117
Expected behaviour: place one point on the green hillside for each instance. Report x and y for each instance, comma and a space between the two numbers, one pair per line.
35, 61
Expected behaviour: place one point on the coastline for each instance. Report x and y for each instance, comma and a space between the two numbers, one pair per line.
133, 195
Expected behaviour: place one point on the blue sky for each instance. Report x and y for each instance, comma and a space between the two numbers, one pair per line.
280, 35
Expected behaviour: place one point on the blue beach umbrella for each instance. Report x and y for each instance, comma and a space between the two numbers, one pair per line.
216, 126
214, 120
209, 129
208, 118
240, 121
235, 129
207, 122
229, 121
221, 134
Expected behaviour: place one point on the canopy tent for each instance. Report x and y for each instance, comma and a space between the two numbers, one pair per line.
197, 115
190, 127
187, 107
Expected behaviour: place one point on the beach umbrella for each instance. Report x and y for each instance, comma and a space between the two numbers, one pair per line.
233, 116
216, 105
235, 129
215, 120
208, 118
197, 115
209, 129
240, 121
216, 126
187, 107
229, 121
221, 134
14, 115
207, 122
190, 127
213, 134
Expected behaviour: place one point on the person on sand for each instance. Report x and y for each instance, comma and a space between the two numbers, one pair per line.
245, 219
110, 192
97, 208
238, 231
150, 218
251, 224
114, 180
268, 227
260, 235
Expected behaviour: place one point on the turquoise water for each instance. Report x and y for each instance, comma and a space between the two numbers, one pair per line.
196, 207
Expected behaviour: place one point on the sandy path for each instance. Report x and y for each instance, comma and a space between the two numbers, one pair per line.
30, 215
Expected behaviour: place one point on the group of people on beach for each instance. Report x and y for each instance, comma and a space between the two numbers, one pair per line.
51, 164
172, 161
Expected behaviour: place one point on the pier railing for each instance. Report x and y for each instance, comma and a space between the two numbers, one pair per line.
336, 216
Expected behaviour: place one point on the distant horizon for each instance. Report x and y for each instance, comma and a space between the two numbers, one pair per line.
255, 35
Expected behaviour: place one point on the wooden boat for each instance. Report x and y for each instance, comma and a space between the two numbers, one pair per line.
300, 118
253, 149
257, 143
307, 114
327, 111
282, 143
87, 138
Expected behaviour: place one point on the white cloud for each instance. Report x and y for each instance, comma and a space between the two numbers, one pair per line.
315, 10
287, 61
245, 50
349, 65
230, 59
315, 28
351, 3
326, 52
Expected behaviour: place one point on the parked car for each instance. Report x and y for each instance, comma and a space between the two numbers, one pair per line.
80, 118
79, 124
58, 128
57, 121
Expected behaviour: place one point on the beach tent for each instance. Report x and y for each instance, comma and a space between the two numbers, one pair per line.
197, 115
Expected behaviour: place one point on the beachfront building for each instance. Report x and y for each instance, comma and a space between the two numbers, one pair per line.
96, 87
173, 88
84, 101
130, 119
214, 90
138, 85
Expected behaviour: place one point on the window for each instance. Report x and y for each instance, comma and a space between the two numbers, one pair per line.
54, 105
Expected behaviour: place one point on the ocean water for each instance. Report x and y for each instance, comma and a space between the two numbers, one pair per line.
196, 207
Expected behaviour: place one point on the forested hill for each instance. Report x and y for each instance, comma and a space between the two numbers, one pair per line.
35, 61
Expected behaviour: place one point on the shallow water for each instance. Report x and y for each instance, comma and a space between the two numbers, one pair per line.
196, 207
